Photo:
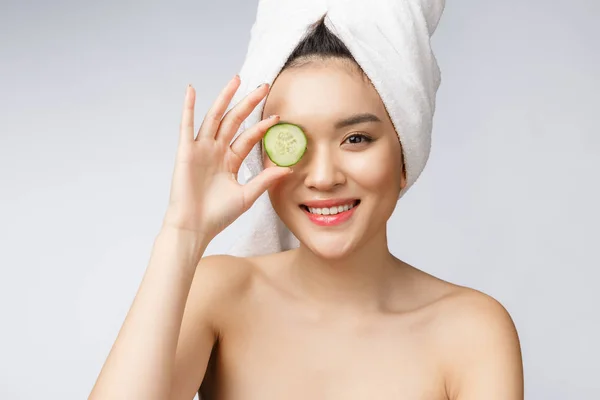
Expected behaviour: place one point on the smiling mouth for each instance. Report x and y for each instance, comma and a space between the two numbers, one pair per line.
330, 210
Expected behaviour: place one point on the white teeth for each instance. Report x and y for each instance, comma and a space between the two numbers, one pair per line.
331, 210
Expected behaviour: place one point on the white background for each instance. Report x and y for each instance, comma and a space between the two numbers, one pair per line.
90, 102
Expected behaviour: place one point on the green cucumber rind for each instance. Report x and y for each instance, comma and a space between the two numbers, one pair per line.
267, 150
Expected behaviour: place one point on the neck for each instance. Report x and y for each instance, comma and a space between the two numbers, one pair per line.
358, 282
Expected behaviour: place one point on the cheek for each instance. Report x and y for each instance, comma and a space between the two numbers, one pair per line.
378, 170
279, 193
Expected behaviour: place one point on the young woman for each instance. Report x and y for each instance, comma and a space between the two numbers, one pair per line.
337, 318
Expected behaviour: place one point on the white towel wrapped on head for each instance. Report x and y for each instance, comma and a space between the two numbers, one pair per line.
389, 39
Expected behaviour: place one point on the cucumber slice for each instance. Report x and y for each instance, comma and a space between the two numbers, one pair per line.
285, 144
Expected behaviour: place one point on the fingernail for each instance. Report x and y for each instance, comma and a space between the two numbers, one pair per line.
261, 85
273, 116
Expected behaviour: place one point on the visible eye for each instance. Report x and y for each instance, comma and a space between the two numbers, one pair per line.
358, 138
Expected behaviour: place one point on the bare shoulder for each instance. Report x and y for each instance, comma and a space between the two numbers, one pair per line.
222, 275
220, 282
469, 310
479, 345
459, 310
226, 281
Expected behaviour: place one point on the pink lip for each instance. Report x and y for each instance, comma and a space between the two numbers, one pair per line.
329, 203
330, 220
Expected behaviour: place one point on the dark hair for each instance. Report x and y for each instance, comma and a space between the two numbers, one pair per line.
319, 44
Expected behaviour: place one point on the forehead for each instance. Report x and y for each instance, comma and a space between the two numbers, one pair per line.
326, 90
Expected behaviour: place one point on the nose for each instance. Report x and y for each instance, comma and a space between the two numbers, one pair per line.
323, 172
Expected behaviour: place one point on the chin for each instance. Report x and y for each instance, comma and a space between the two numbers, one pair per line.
329, 245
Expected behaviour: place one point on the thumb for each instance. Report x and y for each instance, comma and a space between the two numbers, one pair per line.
259, 184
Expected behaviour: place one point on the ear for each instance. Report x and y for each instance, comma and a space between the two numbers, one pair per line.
403, 177
403, 180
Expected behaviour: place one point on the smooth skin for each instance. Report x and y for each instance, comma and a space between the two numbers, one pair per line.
338, 318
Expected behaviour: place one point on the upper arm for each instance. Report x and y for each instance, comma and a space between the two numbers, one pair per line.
485, 352
215, 279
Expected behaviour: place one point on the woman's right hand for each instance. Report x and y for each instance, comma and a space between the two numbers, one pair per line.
205, 194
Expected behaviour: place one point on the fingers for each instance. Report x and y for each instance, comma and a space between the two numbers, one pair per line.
212, 120
242, 145
257, 186
186, 129
234, 117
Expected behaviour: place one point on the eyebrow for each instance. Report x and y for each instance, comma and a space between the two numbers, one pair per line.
356, 119
343, 123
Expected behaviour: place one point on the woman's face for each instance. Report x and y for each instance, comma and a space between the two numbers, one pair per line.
353, 163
